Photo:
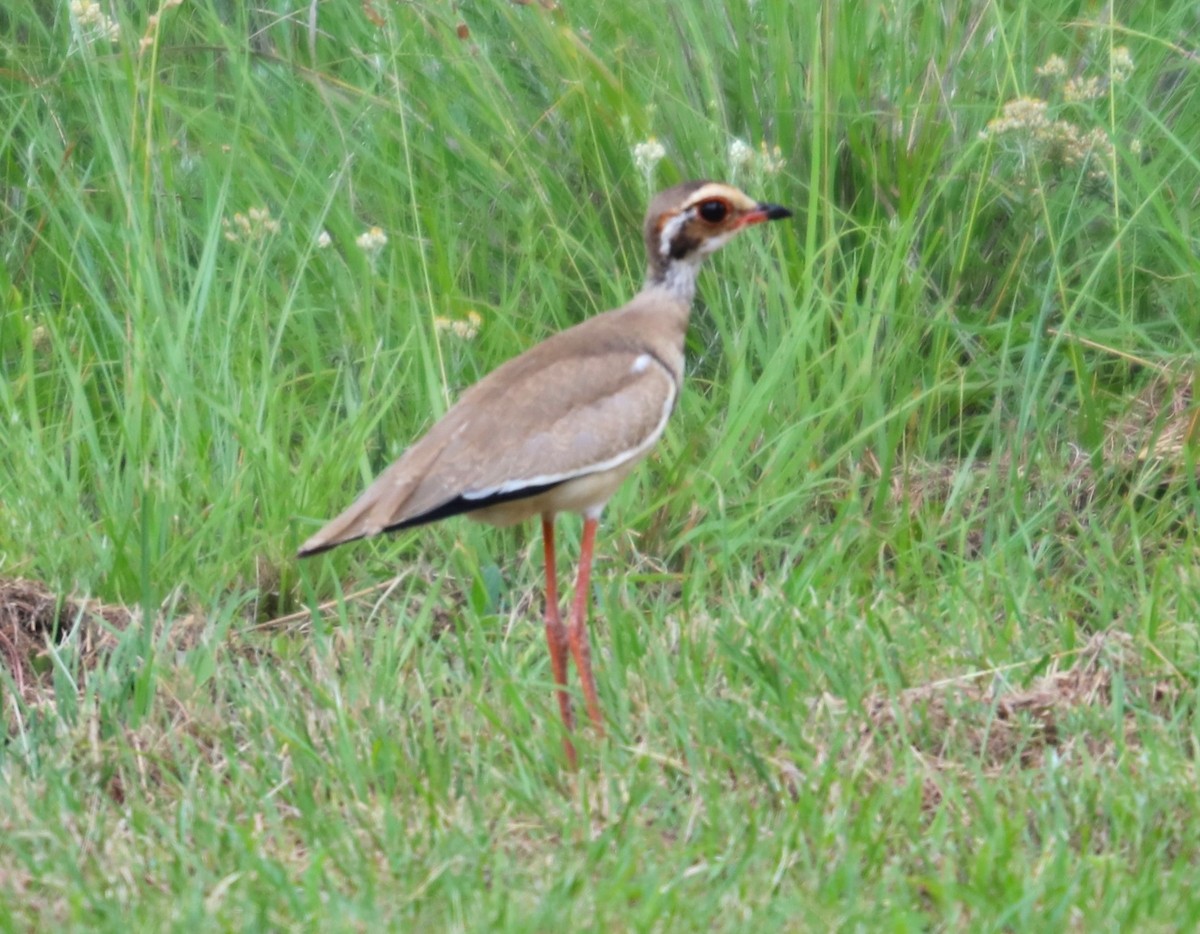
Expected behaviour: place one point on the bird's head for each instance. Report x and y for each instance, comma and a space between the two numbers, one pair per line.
686, 223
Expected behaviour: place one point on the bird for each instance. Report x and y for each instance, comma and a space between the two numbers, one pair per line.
557, 428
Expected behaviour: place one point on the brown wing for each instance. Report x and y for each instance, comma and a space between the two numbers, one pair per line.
529, 425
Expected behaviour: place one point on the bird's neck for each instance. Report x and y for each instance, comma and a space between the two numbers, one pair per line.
677, 277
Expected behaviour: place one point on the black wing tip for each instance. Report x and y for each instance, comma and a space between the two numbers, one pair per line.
448, 509
311, 551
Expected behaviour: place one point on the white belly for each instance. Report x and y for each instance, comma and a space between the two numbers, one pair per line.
588, 493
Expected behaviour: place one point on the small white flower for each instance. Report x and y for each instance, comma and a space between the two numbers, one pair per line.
252, 227
1024, 114
1120, 63
768, 160
372, 241
647, 155
1055, 67
771, 160
92, 24
463, 328
1082, 89
741, 154
269, 224
468, 327
324, 240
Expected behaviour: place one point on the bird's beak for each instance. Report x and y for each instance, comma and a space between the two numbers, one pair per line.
764, 212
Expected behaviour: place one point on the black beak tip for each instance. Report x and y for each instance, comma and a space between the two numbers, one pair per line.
775, 212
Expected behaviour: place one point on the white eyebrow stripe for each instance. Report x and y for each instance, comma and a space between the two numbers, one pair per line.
717, 190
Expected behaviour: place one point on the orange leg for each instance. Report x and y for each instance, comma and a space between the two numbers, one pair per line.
556, 638
578, 631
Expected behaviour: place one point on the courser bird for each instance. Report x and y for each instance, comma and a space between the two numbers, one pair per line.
558, 428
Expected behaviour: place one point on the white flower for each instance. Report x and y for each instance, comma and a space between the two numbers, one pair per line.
253, 226
260, 218
1082, 89
463, 328
468, 327
1024, 113
647, 155
1055, 67
741, 154
771, 160
1120, 63
372, 241
92, 23
767, 159
323, 240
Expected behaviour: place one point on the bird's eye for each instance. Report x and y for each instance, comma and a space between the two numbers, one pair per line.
714, 211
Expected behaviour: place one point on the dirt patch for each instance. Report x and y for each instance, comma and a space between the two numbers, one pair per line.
33, 618
1161, 425
978, 723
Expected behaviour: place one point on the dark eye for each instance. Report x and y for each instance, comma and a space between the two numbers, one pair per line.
714, 211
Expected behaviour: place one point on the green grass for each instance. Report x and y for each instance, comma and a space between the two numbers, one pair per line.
870, 487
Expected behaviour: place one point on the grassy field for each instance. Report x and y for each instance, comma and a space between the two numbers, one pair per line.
897, 630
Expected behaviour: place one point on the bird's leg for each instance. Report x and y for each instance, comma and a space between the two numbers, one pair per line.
556, 638
578, 631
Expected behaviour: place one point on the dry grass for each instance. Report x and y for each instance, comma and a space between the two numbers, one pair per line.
33, 619
1161, 426
980, 723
